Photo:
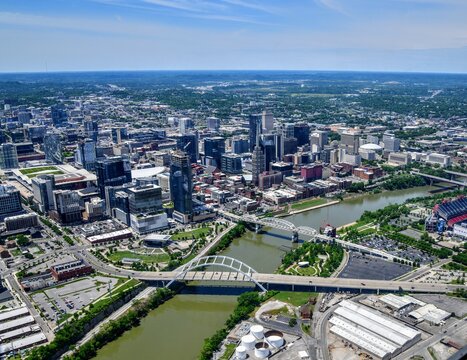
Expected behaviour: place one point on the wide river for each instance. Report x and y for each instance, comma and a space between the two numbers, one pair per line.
176, 330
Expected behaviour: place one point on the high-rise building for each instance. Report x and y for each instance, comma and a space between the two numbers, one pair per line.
42, 188
231, 163
119, 134
53, 147
289, 145
186, 125
240, 145
255, 129
10, 201
112, 171
258, 161
391, 143
91, 129
269, 149
145, 199
188, 143
59, 115
319, 138
35, 133
267, 121
8, 156
181, 183
67, 206
214, 147
86, 154
213, 123
350, 142
311, 172
302, 133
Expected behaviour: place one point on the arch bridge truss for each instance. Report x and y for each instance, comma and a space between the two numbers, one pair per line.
220, 261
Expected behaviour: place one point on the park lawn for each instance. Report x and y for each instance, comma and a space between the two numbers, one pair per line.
196, 233
128, 285
148, 259
57, 172
308, 203
28, 171
307, 271
294, 298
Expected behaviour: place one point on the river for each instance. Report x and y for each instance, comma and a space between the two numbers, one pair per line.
176, 329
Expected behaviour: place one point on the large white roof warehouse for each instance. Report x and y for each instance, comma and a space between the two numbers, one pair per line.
375, 333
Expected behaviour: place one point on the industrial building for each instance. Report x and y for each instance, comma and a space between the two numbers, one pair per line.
70, 270
376, 334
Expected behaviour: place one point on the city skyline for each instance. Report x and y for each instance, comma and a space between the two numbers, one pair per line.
359, 35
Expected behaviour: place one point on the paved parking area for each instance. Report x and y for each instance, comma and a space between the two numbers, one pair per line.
446, 303
366, 267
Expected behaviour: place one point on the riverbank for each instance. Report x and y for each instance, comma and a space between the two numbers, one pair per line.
293, 212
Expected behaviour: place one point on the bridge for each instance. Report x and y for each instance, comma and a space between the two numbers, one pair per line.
239, 272
285, 225
432, 178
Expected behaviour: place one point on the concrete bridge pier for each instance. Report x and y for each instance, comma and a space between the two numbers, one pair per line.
258, 228
295, 236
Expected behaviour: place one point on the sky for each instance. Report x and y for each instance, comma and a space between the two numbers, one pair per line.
362, 35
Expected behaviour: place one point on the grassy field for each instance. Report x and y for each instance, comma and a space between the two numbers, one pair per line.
148, 259
294, 298
308, 203
38, 169
196, 233
229, 350
56, 172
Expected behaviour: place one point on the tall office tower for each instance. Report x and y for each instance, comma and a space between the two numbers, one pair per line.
213, 123
186, 125
67, 206
8, 156
372, 139
278, 145
231, 163
302, 133
35, 133
91, 129
391, 143
240, 145
112, 171
258, 161
267, 121
288, 130
53, 148
181, 183
189, 144
85, 154
255, 129
350, 142
59, 115
145, 199
43, 187
269, 149
214, 147
24, 117
119, 134
319, 138
289, 146
10, 201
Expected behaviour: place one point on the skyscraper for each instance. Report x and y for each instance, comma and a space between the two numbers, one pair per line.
319, 138
302, 133
258, 160
267, 121
255, 128
86, 154
350, 142
185, 125
189, 144
59, 115
214, 147
112, 171
53, 148
213, 123
10, 201
181, 183
8, 156
240, 145
391, 143
42, 188
91, 129
145, 199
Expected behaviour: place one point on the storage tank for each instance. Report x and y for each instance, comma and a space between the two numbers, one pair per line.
257, 331
261, 350
240, 352
275, 341
248, 341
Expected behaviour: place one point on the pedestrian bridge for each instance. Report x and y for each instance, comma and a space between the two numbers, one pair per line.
285, 225
239, 272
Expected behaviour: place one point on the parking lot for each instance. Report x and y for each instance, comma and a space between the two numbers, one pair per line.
71, 297
367, 267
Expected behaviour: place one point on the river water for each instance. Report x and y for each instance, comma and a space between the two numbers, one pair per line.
176, 329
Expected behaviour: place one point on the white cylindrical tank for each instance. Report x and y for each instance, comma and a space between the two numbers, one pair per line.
257, 331
261, 350
248, 341
240, 352
275, 341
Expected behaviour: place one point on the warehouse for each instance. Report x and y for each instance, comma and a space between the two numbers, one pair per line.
376, 334
399, 302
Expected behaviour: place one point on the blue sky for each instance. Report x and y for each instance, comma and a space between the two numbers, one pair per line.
376, 35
